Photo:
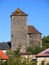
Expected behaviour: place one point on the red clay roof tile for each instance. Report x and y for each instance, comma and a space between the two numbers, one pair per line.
45, 53
3, 56
32, 29
24, 53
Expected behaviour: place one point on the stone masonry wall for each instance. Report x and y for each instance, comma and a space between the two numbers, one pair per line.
35, 39
19, 32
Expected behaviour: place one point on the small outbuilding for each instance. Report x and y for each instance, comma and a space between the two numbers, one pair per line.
43, 56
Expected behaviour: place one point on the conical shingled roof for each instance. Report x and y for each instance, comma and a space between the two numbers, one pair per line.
18, 12
33, 30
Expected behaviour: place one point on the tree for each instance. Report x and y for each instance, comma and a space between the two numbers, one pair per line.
34, 50
45, 42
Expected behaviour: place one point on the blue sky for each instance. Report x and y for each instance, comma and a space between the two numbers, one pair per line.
38, 15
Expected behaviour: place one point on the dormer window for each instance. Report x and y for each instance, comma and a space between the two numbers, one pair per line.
47, 52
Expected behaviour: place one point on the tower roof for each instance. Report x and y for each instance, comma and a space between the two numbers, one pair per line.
32, 29
18, 12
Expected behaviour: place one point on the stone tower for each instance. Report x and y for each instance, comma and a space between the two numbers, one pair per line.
18, 29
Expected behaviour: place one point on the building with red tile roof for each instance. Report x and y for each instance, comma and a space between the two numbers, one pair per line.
34, 36
3, 56
43, 56
45, 53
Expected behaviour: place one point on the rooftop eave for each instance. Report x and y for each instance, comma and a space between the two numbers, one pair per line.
18, 15
34, 33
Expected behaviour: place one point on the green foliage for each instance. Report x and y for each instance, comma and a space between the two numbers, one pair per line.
17, 60
37, 49
45, 39
34, 50
45, 42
